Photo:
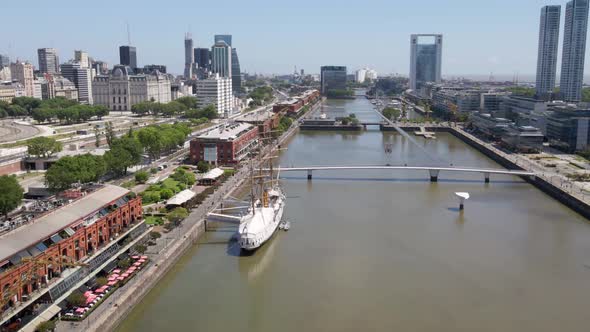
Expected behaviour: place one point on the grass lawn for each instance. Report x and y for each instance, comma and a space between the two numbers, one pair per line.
152, 220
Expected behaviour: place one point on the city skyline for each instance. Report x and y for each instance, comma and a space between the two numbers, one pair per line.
493, 46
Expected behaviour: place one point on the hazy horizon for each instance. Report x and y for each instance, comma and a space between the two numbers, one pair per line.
274, 37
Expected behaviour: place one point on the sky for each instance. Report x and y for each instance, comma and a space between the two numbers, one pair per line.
480, 37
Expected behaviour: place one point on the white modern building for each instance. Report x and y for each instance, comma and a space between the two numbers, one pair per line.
425, 59
574, 50
120, 90
360, 75
215, 91
547, 57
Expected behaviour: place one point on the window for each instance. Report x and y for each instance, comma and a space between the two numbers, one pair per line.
119, 90
125, 99
114, 100
125, 91
119, 100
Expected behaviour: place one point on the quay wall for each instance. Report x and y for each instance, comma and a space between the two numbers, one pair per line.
150, 277
555, 192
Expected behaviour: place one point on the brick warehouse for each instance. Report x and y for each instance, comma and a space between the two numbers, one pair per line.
67, 234
226, 145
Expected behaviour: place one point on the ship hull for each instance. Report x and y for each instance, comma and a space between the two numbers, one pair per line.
252, 242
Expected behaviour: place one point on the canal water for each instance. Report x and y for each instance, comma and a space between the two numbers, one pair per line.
387, 251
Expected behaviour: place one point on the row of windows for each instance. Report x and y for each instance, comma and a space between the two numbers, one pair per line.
115, 100
124, 91
120, 109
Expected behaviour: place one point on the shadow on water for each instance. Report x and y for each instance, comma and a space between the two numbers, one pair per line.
407, 180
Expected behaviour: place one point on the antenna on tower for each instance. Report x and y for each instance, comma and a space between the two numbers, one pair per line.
128, 34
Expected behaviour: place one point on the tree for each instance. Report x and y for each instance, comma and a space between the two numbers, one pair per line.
101, 281
96, 137
124, 263
188, 101
166, 193
177, 215
100, 111
125, 152
76, 299
203, 166
109, 133
150, 139
43, 114
155, 235
43, 147
391, 113
46, 326
141, 177
27, 103
69, 170
11, 194
140, 248
209, 112
16, 111
183, 176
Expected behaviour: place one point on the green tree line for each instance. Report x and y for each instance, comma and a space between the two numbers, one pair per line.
184, 106
124, 152
62, 109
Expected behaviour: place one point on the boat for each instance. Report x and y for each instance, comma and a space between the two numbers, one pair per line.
286, 226
262, 220
262, 217
323, 116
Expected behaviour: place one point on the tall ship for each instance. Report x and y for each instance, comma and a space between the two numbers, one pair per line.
263, 216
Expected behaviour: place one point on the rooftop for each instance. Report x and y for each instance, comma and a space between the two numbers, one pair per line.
227, 132
259, 116
57, 220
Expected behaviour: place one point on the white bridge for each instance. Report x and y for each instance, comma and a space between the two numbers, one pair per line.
432, 170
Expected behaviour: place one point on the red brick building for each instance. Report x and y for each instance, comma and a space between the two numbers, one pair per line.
289, 106
294, 105
266, 121
67, 234
224, 145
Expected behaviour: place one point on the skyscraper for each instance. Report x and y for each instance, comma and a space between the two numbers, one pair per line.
82, 79
425, 60
48, 60
547, 58
574, 50
4, 60
332, 78
128, 56
203, 58
189, 56
224, 38
82, 58
221, 59
22, 72
236, 74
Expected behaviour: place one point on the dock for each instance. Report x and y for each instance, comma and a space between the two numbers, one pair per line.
426, 134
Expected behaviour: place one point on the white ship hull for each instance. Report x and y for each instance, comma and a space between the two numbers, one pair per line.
259, 227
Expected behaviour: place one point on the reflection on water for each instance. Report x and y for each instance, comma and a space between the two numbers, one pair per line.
387, 251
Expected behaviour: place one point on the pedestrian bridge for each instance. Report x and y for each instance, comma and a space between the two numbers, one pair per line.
432, 170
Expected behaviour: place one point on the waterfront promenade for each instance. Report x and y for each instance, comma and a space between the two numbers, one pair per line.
168, 249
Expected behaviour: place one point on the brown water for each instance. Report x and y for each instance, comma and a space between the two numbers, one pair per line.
387, 251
